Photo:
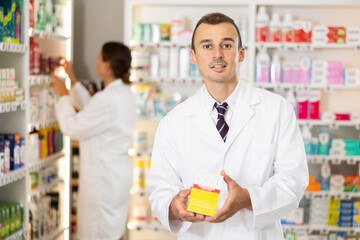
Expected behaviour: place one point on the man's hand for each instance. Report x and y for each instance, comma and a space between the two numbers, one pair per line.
59, 86
238, 198
177, 209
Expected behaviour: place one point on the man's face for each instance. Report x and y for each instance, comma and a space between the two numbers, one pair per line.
216, 52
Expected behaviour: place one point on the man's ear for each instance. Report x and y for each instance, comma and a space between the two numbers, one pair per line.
192, 57
241, 54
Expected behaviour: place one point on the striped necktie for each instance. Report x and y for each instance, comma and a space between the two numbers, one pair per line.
221, 125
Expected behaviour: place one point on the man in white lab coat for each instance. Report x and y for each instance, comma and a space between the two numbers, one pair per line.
248, 135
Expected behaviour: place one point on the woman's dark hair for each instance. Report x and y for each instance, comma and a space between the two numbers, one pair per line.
119, 57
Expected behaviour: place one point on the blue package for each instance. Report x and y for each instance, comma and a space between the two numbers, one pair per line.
341, 235
14, 150
346, 204
5, 148
346, 212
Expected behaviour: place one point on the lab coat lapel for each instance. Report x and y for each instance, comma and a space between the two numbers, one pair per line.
242, 113
202, 120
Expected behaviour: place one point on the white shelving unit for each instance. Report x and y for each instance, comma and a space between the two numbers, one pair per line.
320, 12
14, 118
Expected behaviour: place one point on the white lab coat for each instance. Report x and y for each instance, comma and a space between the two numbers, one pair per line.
264, 153
104, 128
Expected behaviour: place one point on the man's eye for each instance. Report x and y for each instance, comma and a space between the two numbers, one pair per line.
227, 46
208, 46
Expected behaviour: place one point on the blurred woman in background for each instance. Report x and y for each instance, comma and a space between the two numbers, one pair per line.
104, 127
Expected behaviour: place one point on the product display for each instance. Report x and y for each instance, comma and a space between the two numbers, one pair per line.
163, 63
151, 104
11, 12
301, 31
10, 89
47, 15
11, 152
45, 142
11, 218
42, 109
45, 215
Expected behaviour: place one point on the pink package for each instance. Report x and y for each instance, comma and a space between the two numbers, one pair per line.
296, 73
335, 80
302, 105
305, 63
287, 72
314, 104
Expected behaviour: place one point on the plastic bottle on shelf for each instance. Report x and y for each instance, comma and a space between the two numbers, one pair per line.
287, 33
262, 66
290, 97
275, 28
177, 27
275, 71
306, 135
262, 25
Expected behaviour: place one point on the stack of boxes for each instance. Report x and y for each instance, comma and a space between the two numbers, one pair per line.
12, 152
327, 72
344, 147
319, 211
10, 90
328, 34
10, 21
353, 36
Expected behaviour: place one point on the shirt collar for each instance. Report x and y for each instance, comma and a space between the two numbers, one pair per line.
115, 83
231, 100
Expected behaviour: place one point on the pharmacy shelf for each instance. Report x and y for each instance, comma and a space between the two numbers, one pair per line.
139, 192
12, 107
13, 176
43, 125
297, 87
12, 48
141, 44
159, 44
316, 228
329, 194
186, 81
46, 162
45, 189
134, 225
35, 80
319, 159
19, 235
134, 153
46, 34
330, 124
304, 46
54, 234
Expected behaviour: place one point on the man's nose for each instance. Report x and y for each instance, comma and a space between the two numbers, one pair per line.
218, 53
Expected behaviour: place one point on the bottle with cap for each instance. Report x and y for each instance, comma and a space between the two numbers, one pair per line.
262, 66
287, 33
306, 135
275, 70
275, 28
262, 25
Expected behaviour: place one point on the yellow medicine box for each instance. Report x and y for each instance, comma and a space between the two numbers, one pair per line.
205, 193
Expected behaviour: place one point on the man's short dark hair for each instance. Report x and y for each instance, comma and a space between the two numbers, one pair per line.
213, 19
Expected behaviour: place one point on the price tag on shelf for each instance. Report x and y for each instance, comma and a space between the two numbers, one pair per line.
22, 105
14, 106
7, 107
